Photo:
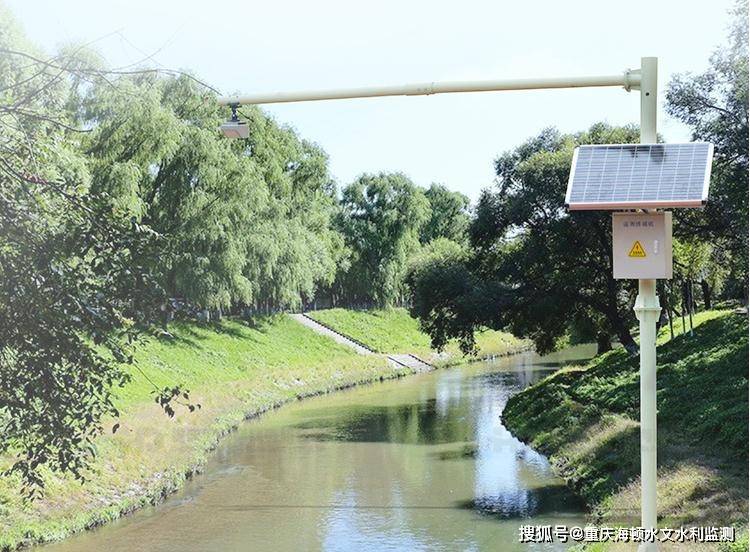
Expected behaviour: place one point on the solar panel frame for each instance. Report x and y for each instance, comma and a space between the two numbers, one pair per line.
688, 202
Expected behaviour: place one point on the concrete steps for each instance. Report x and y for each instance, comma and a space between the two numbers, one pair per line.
410, 361
398, 361
316, 326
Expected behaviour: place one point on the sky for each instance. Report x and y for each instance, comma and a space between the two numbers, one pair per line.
251, 46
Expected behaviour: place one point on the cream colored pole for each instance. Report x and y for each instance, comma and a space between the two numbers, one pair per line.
647, 311
627, 80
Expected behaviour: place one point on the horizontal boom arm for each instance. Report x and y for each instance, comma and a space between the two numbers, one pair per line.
629, 79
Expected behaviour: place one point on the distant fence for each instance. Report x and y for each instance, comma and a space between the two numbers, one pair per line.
178, 308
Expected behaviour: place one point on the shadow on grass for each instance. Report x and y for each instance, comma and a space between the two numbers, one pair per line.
694, 488
192, 333
181, 334
612, 463
558, 364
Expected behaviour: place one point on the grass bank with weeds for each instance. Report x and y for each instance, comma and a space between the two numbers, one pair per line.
394, 331
234, 370
585, 418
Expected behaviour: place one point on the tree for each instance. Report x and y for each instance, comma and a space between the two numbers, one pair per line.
451, 301
380, 218
715, 105
297, 250
75, 290
534, 267
117, 192
700, 262
449, 215
245, 223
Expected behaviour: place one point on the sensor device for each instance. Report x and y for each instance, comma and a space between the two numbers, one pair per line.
642, 245
235, 129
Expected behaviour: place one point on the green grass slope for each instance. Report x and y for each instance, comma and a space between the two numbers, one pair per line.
233, 369
394, 331
586, 419
232, 350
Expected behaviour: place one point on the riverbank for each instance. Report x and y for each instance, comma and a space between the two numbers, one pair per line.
585, 418
394, 331
234, 370
421, 463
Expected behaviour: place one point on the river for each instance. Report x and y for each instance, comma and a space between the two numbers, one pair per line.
420, 463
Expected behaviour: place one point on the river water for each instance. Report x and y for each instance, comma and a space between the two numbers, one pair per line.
421, 463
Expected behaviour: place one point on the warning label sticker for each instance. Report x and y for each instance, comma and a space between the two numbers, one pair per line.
637, 250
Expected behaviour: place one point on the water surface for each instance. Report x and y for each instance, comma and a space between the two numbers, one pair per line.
421, 463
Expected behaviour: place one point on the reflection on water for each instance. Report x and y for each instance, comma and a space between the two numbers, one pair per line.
418, 464
408, 424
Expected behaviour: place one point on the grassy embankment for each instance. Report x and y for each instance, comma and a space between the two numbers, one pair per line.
394, 331
234, 370
586, 419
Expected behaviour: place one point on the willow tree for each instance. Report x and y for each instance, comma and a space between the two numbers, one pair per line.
116, 192
380, 218
449, 215
244, 222
296, 250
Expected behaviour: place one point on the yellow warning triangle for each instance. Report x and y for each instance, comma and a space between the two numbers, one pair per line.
637, 250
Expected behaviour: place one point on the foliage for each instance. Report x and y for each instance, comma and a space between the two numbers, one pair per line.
119, 200
545, 273
700, 261
386, 221
380, 218
449, 300
449, 215
533, 266
244, 222
117, 193
234, 369
74, 288
740, 545
715, 105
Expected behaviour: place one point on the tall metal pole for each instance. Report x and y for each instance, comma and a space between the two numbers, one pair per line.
647, 310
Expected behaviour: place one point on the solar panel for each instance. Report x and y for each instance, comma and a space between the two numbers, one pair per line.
639, 176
